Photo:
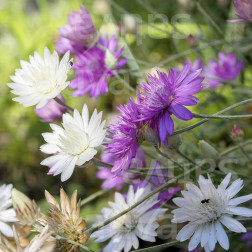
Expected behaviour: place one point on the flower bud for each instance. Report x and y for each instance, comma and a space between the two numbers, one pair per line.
237, 134
192, 40
208, 151
110, 60
151, 137
174, 142
186, 5
26, 209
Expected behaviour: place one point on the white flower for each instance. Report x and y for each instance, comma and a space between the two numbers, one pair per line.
6, 214
74, 144
206, 208
138, 223
41, 79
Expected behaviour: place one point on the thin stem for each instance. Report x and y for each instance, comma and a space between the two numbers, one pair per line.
166, 156
63, 104
157, 247
216, 114
94, 196
235, 148
228, 117
245, 153
185, 157
148, 174
125, 83
100, 163
108, 221
74, 243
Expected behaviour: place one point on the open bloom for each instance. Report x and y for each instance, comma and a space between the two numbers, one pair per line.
207, 208
243, 10
110, 179
126, 133
166, 95
7, 214
93, 66
74, 144
52, 110
78, 34
138, 223
40, 80
226, 69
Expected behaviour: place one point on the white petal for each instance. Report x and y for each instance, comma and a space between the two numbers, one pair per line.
205, 235
186, 232
243, 211
66, 174
221, 235
225, 181
195, 240
232, 224
212, 237
6, 229
239, 200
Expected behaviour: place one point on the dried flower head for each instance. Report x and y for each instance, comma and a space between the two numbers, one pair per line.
65, 221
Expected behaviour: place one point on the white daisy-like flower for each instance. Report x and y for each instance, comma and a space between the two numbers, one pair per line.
7, 214
73, 144
207, 208
138, 223
41, 79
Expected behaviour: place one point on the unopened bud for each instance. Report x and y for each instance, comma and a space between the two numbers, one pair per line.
174, 142
208, 151
237, 134
186, 5
130, 23
26, 209
192, 40
110, 60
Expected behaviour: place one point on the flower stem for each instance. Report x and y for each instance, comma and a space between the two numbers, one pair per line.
228, 117
100, 163
108, 221
125, 83
216, 114
94, 196
63, 104
245, 153
235, 147
157, 247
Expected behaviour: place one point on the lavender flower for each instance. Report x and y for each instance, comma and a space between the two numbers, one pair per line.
248, 238
126, 133
119, 181
243, 10
226, 69
78, 34
94, 66
156, 181
52, 110
166, 95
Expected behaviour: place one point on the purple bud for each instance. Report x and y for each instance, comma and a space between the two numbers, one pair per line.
52, 110
237, 134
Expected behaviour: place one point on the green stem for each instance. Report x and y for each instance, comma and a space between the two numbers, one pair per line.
63, 104
100, 163
171, 181
125, 83
157, 247
235, 148
94, 196
229, 117
245, 153
216, 114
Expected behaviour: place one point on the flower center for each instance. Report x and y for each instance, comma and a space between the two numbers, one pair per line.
74, 141
126, 223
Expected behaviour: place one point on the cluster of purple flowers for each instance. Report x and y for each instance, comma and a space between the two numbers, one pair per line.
96, 58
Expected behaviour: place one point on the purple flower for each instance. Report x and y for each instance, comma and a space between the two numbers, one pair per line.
248, 238
52, 110
126, 133
226, 69
243, 10
93, 66
78, 34
111, 180
166, 95
156, 181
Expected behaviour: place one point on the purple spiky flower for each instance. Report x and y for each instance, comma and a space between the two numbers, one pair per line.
243, 11
78, 34
93, 66
167, 95
227, 68
126, 134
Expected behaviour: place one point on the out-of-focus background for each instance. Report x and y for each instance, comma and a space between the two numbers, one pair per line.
29, 25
